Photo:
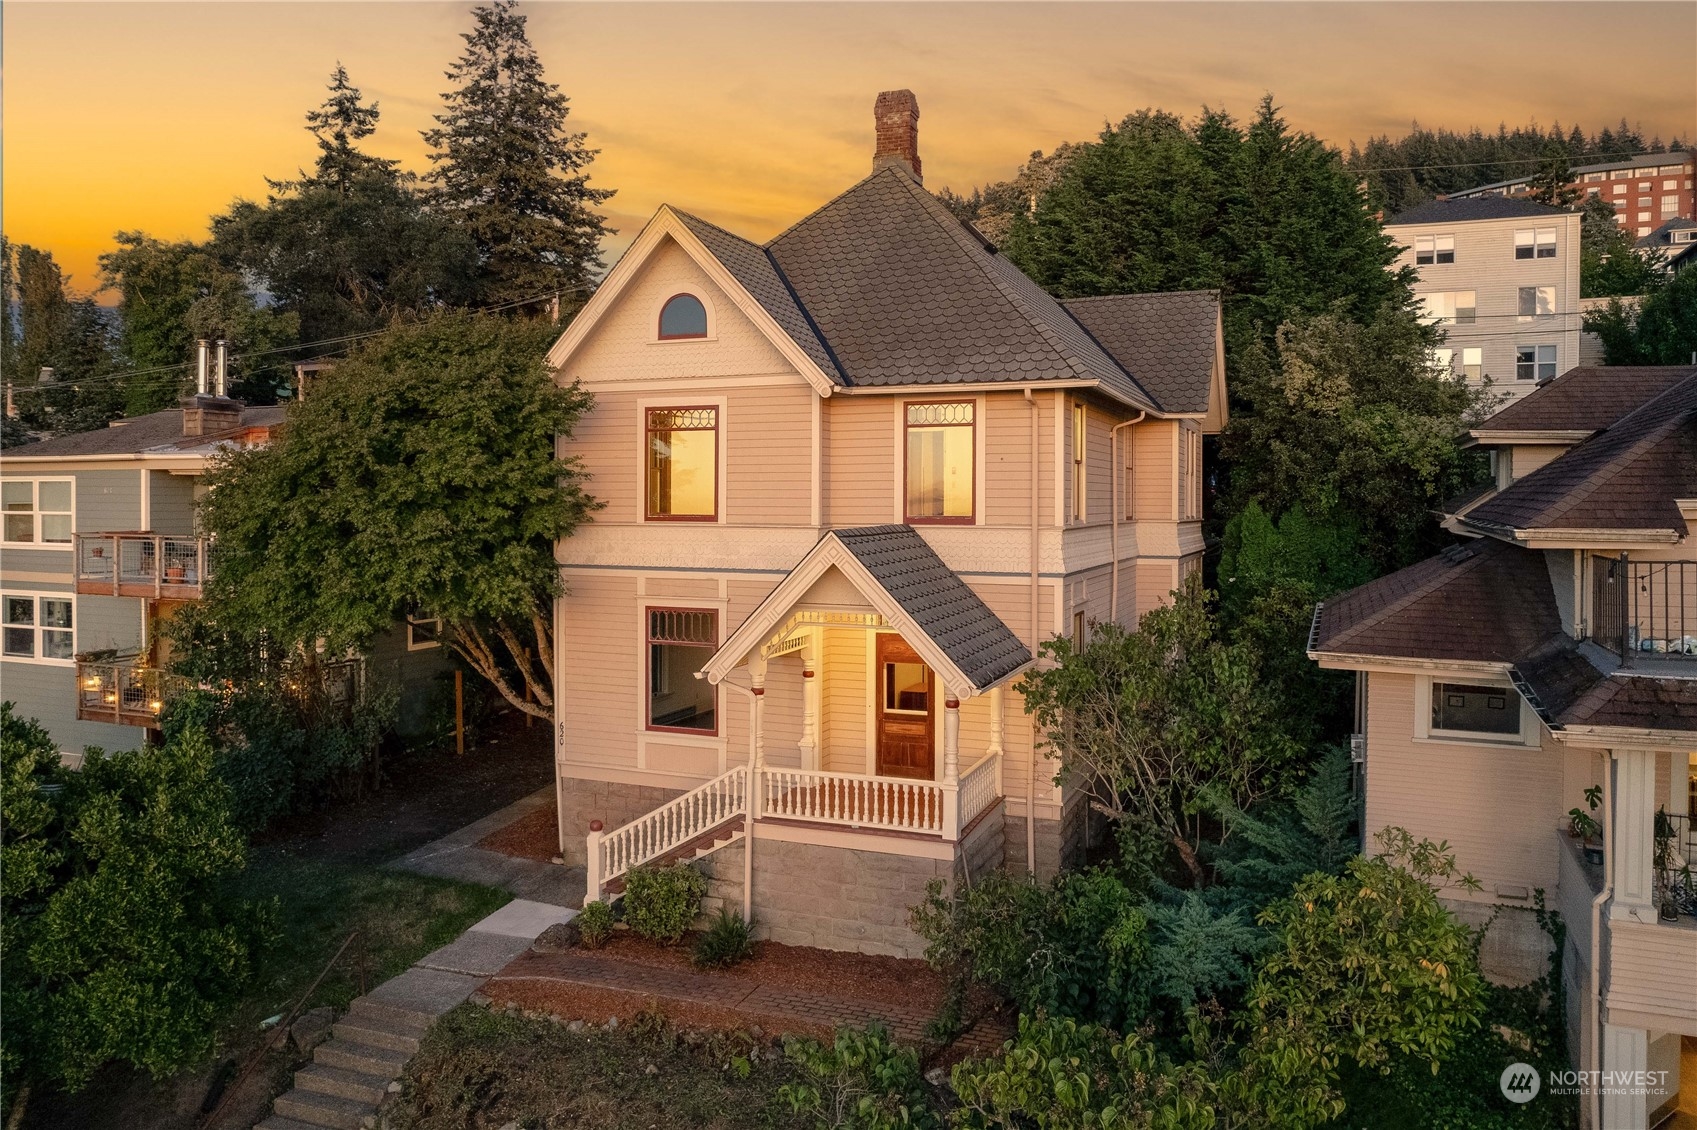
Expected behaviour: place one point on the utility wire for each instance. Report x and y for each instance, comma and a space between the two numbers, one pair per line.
1674, 157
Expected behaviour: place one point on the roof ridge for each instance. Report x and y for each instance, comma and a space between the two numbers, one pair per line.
808, 216
1140, 294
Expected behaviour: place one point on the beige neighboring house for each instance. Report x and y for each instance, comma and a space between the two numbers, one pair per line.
1500, 278
1552, 651
853, 477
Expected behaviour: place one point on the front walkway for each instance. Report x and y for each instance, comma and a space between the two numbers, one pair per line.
458, 856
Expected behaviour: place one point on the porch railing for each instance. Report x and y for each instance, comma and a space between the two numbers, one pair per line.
1645, 609
853, 800
140, 564
665, 829
980, 787
122, 692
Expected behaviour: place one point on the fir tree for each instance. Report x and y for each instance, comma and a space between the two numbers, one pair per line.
342, 121
509, 172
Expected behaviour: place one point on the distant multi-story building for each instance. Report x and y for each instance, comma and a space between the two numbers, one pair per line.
1501, 278
1647, 190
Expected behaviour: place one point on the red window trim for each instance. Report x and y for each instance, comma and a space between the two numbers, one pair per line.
647, 466
659, 335
648, 641
970, 519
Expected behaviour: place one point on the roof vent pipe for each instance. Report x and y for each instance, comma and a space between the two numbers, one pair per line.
200, 347
222, 370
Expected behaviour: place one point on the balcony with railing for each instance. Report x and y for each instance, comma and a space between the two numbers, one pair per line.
1645, 611
122, 691
159, 566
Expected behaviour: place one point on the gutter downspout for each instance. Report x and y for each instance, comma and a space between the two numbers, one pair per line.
1036, 546
1594, 1005
1117, 469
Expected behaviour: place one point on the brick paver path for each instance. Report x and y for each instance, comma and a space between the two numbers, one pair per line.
759, 1001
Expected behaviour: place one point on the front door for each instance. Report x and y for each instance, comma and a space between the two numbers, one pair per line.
906, 707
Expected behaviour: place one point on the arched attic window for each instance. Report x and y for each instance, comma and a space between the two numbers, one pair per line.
682, 316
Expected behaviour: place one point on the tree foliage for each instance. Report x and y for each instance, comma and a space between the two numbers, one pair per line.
510, 174
1609, 263
48, 325
1661, 330
420, 474
1149, 721
120, 943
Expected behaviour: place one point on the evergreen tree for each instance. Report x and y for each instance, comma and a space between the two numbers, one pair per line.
1552, 183
1609, 263
509, 173
50, 327
1662, 330
342, 121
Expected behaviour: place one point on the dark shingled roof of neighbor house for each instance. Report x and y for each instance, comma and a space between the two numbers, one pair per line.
1166, 341
1587, 399
1474, 208
942, 606
156, 432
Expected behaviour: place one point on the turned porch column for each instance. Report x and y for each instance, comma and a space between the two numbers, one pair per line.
756, 778
809, 709
951, 767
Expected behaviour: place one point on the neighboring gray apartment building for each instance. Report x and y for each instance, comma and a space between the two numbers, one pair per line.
1500, 276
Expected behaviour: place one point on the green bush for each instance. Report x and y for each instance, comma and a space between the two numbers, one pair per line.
661, 902
120, 941
728, 940
594, 924
863, 1081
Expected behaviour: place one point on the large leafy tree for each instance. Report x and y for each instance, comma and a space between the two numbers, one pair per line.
1609, 263
119, 941
510, 174
420, 473
1661, 330
1158, 720
349, 247
47, 326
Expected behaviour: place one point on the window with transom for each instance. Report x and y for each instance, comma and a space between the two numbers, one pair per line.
940, 442
683, 463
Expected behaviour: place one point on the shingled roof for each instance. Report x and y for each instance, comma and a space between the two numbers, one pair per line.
1484, 601
1575, 684
1475, 208
949, 613
155, 433
1167, 341
1624, 478
1587, 399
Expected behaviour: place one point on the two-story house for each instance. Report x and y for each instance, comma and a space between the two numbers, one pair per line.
1500, 277
1552, 652
853, 477
99, 546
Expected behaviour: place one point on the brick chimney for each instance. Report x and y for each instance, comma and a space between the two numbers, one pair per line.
897, 115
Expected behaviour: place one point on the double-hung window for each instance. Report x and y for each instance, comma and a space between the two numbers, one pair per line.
423, 630
683, 464
36, 511
1443, 360
680, 641
1473, 364
1430, 249
1080, 424
1537, 301
940, 452
38, 626
1535, 243
1535, 362
1452, 306
1670, 206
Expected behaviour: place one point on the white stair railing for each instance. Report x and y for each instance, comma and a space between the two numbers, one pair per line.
670, 826
980, 787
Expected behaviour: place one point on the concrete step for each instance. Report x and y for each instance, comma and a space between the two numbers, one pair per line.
419, 995
329, 1111
368, 1059
403, 1020
379, 1032
360, 1086
276, 1122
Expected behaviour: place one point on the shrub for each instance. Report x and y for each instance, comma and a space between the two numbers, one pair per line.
120, 941
661, 902
726, 942
863, 1081
594, 924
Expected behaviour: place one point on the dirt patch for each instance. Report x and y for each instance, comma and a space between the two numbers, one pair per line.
599, 1005
533, 836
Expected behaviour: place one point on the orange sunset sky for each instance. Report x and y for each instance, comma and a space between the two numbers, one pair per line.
152, 116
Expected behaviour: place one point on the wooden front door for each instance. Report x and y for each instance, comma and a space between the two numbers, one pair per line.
906, 697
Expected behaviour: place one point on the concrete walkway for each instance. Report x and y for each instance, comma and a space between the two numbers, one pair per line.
457, 856
372, 1042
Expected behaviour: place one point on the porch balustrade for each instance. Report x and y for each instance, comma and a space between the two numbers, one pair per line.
122, 692
140, 564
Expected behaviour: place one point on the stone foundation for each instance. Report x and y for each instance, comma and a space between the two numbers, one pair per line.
611, 802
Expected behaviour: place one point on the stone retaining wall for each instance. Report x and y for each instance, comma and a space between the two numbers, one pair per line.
611, 802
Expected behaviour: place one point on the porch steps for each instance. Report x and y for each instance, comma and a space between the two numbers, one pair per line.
350, 1074
708, 842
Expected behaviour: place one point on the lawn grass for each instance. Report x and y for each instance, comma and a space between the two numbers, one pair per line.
399, 917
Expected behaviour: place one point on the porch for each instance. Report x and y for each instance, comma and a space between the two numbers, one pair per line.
124, 691
157, 566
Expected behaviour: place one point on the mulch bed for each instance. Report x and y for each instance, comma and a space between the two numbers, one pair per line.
535, 836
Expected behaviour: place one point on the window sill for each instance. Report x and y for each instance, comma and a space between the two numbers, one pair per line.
1462, 738
62, 546
34, 662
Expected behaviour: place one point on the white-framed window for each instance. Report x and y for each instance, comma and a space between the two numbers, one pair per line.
1620, 174
1671, 170
423, 631
1430, 249
1534, 362
1670, 184
1472, 709
1643, 217
1473, 364
1443, 360
1670, 206
38, 627
1535, 243
1644, 186
1619, 190
1453, 306
1592, 177
1593, 191
1080, 434
1537, 301
37, 511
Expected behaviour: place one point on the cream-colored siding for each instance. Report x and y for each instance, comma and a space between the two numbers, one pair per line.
1155, 453
861, 461
1653, 970
1526, 458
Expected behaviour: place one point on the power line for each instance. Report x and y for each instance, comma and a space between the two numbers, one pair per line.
1589, 159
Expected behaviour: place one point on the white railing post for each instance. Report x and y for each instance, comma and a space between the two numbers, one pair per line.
951, 768
592, 873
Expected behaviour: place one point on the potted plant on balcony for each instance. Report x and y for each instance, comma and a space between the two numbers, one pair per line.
1666, 859
1585, 827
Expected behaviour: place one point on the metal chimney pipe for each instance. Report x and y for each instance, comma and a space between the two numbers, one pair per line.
223, 367
201, 361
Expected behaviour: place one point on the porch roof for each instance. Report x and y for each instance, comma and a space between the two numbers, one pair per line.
903, 579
